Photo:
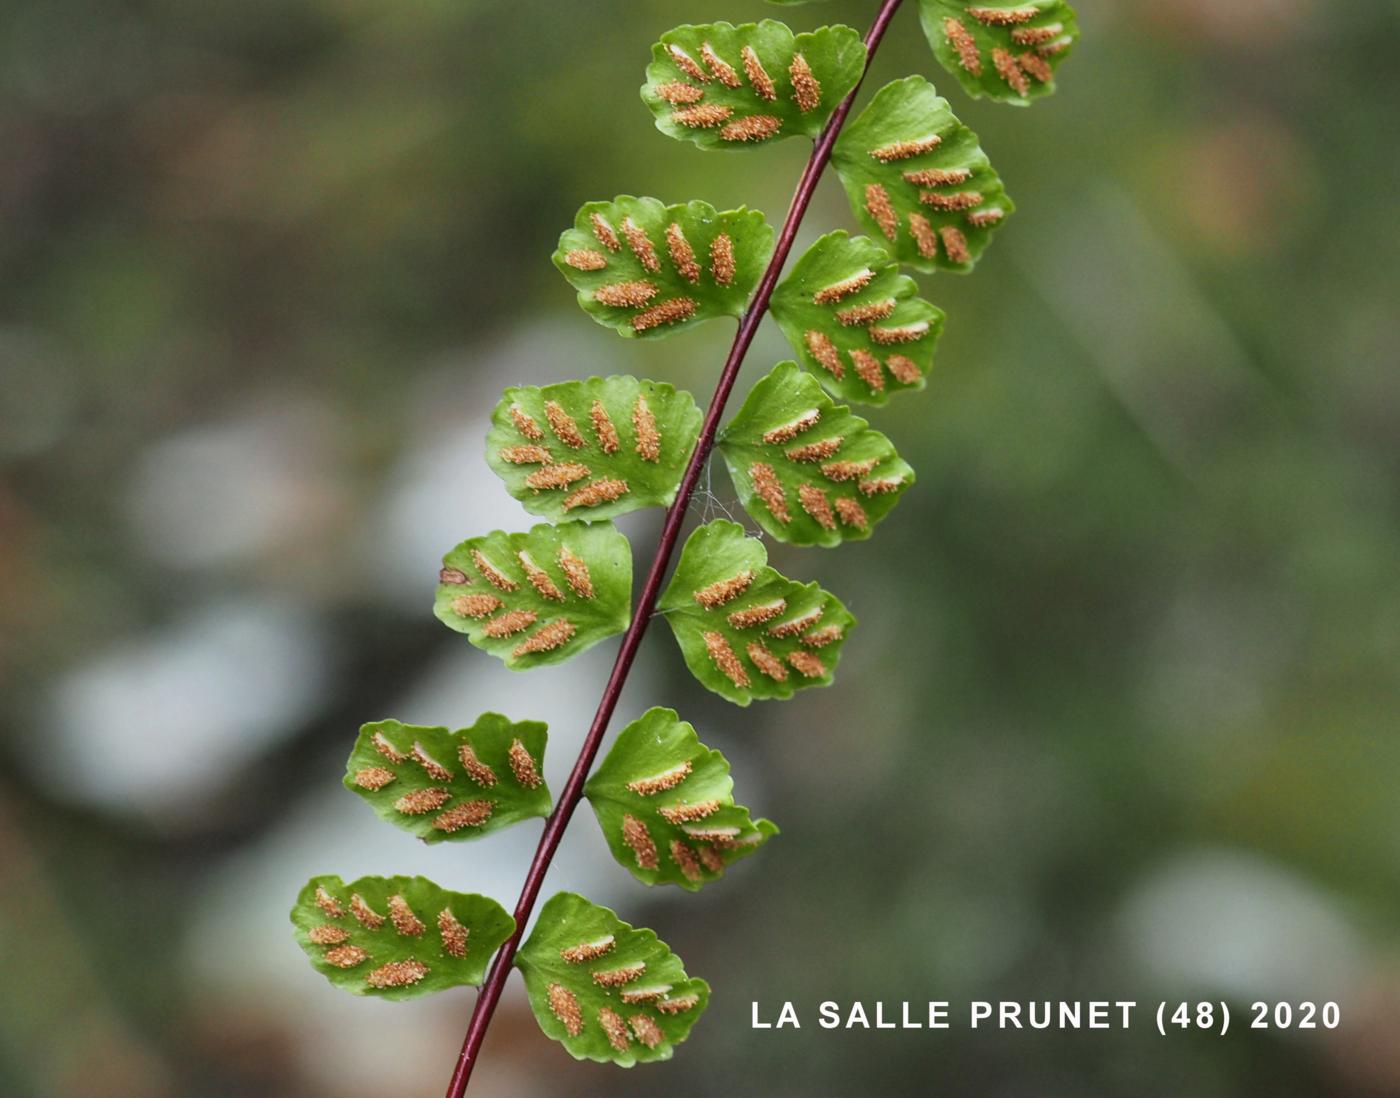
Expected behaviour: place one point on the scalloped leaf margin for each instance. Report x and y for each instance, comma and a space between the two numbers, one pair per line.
1004, 51
918, 178
443, 785
540, 597
605, 990
593, 449
397, 937
808, 470
723, 86
745, 630
665, 803
648, 270
855, 320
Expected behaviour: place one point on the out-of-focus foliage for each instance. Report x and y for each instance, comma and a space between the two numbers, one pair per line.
1121, 710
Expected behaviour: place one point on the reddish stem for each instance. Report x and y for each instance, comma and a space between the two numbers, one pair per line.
670, 533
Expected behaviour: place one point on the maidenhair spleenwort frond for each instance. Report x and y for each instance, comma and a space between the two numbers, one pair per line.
592, 449
917, 176
582, 452
605, 990
808, 470
540, 597
854, 319
723, 86
665, 803
745, 630
397, 937
646, 269
451, 785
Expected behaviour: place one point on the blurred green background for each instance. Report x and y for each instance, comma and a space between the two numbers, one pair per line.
1121, 717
